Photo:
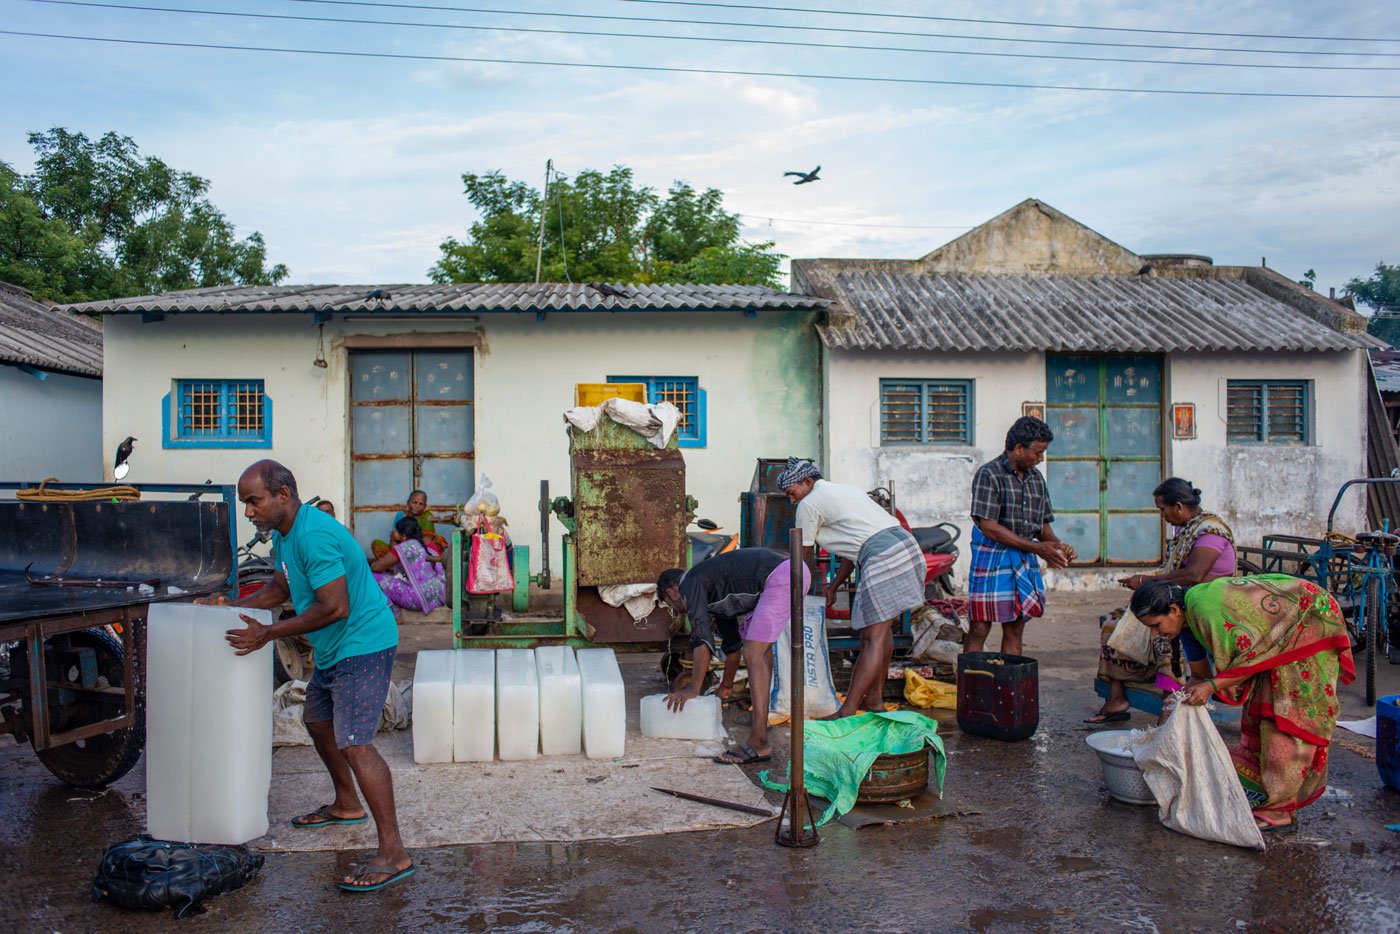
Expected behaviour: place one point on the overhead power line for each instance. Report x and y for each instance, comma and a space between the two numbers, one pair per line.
673, 69
1009, 22
443, 8
716, 39
796, 220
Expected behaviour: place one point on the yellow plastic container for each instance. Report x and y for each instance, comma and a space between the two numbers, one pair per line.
598, 393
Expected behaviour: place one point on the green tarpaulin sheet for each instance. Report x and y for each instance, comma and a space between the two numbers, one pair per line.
838, 753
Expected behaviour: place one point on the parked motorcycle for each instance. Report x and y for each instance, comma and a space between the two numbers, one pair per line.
291, 654
708, 542
938, 543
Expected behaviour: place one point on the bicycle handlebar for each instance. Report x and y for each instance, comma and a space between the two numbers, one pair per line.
1332, 513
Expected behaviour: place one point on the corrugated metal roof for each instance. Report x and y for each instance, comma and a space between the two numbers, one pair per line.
1128, 314
45, 337
476, 298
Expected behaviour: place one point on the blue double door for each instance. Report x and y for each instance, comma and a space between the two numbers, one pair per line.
412, 426
1106, 413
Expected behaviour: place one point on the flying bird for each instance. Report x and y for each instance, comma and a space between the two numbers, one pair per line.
805, 177
121, 467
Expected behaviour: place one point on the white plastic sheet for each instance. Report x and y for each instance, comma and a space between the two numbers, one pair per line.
653, 422
1188, 768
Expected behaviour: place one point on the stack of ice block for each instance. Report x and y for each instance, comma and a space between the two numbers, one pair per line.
433, 680
604, 704
474, 706
208, 732
699, 719
517, 704
561, 701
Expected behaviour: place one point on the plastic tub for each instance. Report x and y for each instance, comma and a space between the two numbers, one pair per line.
998, 695
1120, 772
1388, 739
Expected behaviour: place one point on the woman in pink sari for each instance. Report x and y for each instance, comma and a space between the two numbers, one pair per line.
406, 572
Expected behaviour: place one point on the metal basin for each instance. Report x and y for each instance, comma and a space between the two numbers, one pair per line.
1121, 774
893, 778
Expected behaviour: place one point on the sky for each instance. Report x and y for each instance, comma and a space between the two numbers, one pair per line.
351, 167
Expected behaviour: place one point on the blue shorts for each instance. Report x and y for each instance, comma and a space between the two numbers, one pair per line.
351, 695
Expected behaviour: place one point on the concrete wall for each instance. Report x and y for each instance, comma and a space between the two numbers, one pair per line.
762, 376
1031, 237
1257, 489
50, 427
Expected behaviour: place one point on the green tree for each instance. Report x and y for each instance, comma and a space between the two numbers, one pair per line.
601, 227
1382, 293
97, 219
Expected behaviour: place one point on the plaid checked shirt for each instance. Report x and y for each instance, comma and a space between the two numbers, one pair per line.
1023, 506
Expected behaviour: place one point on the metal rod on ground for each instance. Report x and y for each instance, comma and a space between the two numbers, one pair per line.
797, 807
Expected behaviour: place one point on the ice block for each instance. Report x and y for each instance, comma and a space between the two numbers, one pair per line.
604, 704
561, 701
208, 726
432, 707
474, 706
700, 719
517, 704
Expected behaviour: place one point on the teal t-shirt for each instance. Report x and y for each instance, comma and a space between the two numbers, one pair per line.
315, 552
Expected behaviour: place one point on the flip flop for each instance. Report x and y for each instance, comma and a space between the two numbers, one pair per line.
748, 756
1271, 827
395, 876
1103, 716
328, 819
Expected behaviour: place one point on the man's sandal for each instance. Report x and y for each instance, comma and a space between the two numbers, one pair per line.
741, 754
322, 817
393, 872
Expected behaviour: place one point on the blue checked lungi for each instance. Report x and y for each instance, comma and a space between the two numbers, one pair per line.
1005, 583
891, 578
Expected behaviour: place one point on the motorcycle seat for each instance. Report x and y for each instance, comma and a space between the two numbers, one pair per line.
931, 539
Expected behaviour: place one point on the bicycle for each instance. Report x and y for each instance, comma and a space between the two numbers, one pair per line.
1370, 617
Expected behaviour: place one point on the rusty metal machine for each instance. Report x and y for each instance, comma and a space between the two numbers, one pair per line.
625, 520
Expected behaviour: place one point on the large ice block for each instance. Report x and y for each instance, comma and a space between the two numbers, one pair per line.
517, 704
700, 718
561, 701
474, 706
604, 704
208, 726
432, 706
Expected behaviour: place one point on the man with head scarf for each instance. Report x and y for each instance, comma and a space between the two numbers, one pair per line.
845, 522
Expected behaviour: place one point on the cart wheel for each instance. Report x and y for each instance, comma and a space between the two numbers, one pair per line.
1373, 636
1248, 568
288, 664
99, 760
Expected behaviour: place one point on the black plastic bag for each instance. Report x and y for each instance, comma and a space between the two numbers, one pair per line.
155, 874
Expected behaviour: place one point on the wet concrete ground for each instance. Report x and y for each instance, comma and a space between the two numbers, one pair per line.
1038, 846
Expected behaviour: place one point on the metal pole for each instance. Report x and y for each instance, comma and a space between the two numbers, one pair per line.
544, 534
797, 807
544, 206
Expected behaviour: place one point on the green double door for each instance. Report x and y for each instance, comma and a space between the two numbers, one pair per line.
1106, 413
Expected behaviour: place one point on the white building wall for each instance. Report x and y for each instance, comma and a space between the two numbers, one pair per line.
1257, 489
50, 427
761, 376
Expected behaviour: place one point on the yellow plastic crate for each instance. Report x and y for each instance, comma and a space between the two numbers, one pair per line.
598, 393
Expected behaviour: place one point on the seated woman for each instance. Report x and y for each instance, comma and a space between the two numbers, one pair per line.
1277, 645
405, 572
417, 509
1201, 550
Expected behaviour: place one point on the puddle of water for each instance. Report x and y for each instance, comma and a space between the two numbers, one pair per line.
1075, 863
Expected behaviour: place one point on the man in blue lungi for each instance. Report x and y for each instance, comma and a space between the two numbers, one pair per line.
1011, 509
847, 523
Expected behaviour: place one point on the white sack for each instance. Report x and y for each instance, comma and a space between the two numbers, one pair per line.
1198, 793
819, 690
1131, 639
936, 638
638, 599
653, 422
289, 708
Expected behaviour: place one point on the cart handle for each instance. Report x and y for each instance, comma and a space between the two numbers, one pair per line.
1332, 513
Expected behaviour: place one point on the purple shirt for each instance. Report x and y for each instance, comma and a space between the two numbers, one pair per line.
1224, 565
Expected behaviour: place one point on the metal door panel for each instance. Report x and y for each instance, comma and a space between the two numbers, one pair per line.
1134, 433
382, 429
381, 487
1076, 431
1075, 484
379, 376
443, 429
1134, 538
444, 376
451, 479
1072, 378
1130, 483
1081, 531
1133, 380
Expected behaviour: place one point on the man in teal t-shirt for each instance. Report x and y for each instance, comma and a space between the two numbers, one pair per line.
346, 618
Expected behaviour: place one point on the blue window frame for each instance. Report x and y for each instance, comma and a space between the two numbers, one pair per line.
1268, 411
684, 393
217, 413
926, 411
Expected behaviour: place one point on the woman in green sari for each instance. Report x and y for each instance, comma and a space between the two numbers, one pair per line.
1277, 645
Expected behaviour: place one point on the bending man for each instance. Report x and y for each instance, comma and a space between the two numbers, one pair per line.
845, 522
344, 615
753, 586
1011, 509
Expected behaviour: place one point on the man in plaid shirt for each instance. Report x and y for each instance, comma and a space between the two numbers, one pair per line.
1011, 509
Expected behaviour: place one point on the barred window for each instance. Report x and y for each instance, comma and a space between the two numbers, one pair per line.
1272, 412
685, 394
925, 411
219, 413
